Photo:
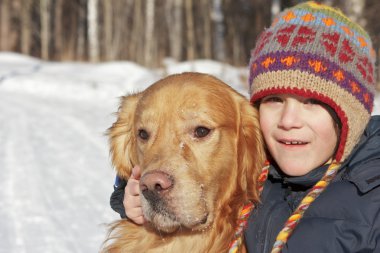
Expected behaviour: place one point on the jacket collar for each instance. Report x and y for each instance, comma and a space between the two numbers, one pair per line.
362, 167
306, 181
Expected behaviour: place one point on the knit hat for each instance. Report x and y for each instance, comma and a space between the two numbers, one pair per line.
313, 50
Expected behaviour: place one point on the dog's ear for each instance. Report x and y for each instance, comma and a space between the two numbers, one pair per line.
122, 137
251, 152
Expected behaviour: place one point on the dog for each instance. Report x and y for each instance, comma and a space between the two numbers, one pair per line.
200, 150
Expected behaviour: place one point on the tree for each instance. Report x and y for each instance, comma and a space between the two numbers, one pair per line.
26, 27
58, 38
93, 38
173, 15
80, 30
5, 24
219, 30
108, 28
207, 29
190, 43
137, 38
45, 28
149, 33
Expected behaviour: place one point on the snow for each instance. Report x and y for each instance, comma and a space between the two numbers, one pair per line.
56, 176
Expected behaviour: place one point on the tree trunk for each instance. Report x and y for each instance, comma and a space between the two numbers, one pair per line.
218, 19
190, 43
149, 33
108, 28
45, 28
207, 49
378, 72
123, 11
275, 8
81, 31
354, 10
58, 41
173, 14
92, 32
25, 27
137, 41
4, 19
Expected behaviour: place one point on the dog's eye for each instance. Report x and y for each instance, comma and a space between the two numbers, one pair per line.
143, 134
201, 132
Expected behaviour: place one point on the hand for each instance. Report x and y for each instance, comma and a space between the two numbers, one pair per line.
132, 201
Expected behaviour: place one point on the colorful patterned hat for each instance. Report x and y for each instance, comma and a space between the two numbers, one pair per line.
313, 50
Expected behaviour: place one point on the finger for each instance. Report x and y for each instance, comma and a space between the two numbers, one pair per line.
132, 188
132, 202
136, 172
134, 212
136, 215
139, 220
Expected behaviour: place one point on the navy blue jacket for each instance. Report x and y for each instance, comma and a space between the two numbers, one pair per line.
344, 218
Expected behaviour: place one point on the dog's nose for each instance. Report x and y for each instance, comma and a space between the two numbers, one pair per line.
156, 181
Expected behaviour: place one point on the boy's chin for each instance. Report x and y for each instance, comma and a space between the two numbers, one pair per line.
296, 168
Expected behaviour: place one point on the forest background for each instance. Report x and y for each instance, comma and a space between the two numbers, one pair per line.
149, 31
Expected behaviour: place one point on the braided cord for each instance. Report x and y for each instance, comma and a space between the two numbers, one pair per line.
245, 212
294, 219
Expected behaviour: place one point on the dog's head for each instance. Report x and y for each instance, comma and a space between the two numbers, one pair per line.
198, 144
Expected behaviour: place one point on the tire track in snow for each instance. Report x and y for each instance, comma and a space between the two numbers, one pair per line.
68, 178
10, 226
31, 206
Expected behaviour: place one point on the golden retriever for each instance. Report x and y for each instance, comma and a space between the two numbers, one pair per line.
200, 150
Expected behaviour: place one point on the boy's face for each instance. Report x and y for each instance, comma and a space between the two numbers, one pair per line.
299, 132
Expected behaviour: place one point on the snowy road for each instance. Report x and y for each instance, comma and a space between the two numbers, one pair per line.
55, 174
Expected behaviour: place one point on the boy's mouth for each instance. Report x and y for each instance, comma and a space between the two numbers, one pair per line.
287, 142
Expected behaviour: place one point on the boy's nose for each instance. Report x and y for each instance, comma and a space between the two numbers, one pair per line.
291, 116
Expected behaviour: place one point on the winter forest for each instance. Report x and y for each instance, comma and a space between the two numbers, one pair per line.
147, 31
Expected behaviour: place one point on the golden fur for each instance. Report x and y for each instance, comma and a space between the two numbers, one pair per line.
212, 176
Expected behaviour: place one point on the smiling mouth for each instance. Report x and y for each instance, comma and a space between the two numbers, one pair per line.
295, 143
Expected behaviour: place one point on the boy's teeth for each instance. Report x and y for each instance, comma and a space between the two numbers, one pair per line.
293, 142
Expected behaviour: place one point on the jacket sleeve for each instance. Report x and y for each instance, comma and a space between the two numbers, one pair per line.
117, 196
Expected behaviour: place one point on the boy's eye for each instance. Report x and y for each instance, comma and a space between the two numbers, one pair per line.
312, 101
272, 99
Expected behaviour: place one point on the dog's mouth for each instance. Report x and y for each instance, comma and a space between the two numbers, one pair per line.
167, 220
169, 223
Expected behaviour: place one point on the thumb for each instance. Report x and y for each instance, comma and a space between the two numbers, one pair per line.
136, 173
